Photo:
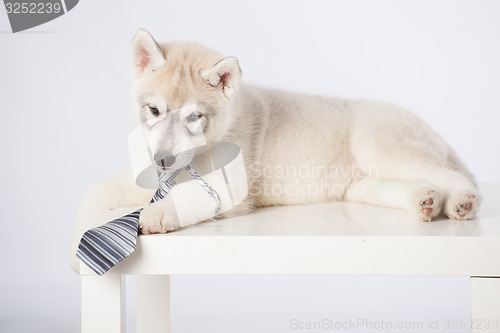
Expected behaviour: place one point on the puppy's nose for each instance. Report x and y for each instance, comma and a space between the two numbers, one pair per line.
164, 159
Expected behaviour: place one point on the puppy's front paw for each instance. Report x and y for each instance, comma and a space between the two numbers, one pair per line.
426, 202
157, 218
462, 205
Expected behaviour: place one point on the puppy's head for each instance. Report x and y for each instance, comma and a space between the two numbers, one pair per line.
182, 94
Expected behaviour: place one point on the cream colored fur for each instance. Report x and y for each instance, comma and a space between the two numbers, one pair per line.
297, 148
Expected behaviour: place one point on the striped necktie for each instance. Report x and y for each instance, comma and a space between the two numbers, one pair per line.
103, 247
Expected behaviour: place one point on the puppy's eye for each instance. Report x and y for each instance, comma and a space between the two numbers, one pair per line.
154, 110
194, 117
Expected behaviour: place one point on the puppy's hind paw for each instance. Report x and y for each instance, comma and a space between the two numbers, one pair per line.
426, 203
462, 205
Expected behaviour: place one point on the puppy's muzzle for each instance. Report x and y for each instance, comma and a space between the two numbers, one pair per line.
164, 159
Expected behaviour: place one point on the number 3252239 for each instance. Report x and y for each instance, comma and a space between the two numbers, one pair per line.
33, 8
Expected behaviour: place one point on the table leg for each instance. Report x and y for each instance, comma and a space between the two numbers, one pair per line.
153, 303
485, 304
103, 304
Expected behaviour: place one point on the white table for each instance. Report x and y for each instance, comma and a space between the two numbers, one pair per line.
330, 238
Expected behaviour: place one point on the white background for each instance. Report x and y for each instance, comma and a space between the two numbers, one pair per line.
65, 121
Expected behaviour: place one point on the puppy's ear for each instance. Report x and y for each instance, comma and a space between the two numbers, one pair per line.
146, 54
226, 74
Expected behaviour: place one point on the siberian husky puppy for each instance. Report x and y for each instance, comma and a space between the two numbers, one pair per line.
297, 148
